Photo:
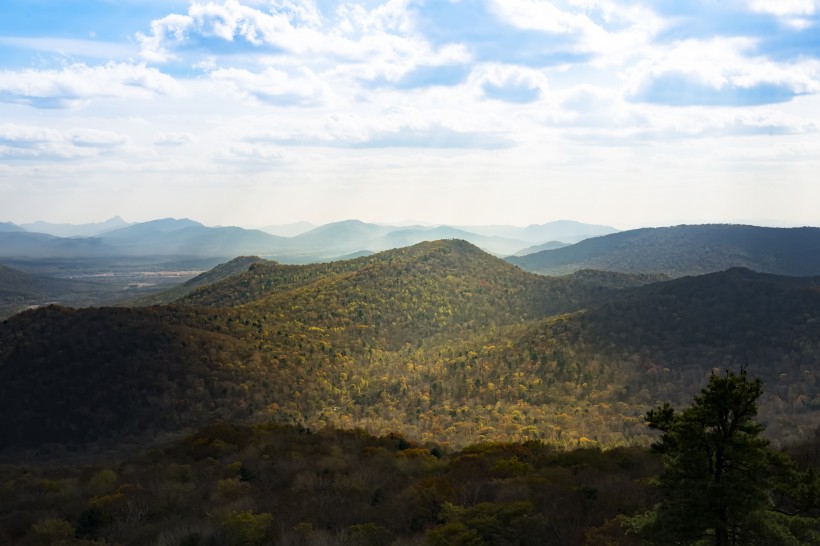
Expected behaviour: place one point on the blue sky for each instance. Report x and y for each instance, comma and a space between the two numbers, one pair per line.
248, 112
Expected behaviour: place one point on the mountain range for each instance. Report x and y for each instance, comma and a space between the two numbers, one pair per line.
300, 243
439, 341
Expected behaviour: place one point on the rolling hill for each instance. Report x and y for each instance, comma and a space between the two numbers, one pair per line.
439, 341
687, 250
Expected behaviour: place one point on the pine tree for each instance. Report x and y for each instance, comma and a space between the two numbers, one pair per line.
719, 474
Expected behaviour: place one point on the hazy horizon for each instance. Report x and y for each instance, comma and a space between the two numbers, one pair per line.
625, 113
399, 224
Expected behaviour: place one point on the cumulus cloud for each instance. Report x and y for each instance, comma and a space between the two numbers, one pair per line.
511, 83
78, 84
285, 26
719, 72
378, 47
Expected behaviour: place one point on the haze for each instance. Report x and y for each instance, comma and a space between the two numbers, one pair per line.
251, 113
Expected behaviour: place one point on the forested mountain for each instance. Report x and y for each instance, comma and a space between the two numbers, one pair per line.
687, 250
438, 341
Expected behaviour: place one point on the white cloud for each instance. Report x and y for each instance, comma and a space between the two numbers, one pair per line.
303, 88
173, 139
511, 83
78, 84
287, 25
784, 8
94, 138
541, 15
368, 44
720, 64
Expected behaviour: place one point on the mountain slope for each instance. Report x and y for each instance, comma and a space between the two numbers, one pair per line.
687, 250
236, 266
437, 341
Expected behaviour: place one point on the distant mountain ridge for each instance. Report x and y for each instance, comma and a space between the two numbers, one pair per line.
687, 250
185, 237
75, 230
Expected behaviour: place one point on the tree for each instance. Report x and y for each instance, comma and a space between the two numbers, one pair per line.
719, 476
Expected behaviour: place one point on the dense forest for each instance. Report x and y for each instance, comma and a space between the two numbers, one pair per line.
427, 395
439, 342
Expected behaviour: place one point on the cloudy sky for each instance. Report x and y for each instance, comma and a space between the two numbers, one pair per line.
256, 112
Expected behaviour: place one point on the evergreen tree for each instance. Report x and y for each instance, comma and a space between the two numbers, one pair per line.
720, 476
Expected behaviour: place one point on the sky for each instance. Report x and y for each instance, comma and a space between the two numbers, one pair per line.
627, 113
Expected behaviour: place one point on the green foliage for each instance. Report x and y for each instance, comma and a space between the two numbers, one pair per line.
367, 534
489, 524
103, 482
334, 487
246, 528
52, 531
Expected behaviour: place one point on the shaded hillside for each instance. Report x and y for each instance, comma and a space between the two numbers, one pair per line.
77, 376
19, 290
687, 250
16, 284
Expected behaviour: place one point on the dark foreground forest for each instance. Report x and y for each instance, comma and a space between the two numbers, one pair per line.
272, 484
